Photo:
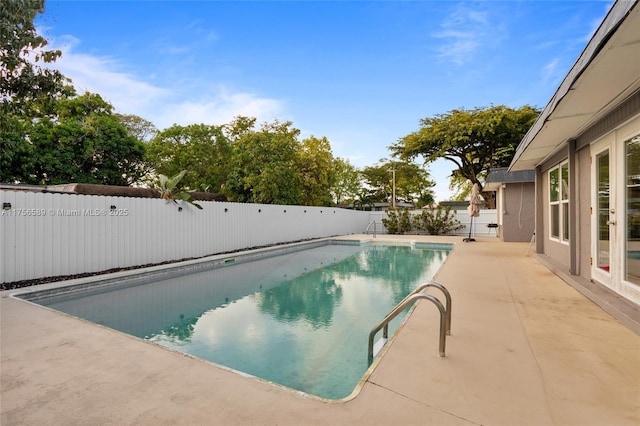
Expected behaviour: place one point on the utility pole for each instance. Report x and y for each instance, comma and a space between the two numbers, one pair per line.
393, 186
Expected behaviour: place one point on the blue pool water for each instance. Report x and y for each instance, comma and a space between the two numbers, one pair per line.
298, 318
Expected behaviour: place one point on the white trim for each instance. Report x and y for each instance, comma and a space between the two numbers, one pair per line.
560, 203
605, 144
614, 279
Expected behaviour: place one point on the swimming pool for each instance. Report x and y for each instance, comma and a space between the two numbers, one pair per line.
298, 316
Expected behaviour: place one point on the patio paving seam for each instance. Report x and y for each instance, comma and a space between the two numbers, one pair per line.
432, 407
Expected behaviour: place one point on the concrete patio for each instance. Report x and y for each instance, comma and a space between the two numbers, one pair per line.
525, 348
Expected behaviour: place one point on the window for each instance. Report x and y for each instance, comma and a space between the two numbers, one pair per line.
632, 201
559, 202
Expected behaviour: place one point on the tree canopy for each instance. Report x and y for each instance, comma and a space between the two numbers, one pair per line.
474, 140
202, 150
138, 127
264, 166
347, 184
316, 170
23, 79
84, 143
48, 134
412, 182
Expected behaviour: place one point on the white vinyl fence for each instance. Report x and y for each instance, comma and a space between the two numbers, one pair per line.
478, 228
53, 234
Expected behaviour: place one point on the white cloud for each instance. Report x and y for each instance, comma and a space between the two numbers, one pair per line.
101, 75
219, 109
163, 105
465, 32
551, 72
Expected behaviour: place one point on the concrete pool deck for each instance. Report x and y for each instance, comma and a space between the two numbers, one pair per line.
525, 348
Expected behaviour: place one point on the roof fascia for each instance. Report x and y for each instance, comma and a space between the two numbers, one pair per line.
607, 28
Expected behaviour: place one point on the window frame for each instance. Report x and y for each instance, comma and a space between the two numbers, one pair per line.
558, 192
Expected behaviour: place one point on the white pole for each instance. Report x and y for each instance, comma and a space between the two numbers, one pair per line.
393, 199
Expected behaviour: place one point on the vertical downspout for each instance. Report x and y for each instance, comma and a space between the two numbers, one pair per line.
573, 213
539, 222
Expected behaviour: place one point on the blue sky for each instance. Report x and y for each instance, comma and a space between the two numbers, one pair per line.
360, 73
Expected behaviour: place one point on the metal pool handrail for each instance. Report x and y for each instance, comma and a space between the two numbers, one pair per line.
447, 297
366, 231
415, 295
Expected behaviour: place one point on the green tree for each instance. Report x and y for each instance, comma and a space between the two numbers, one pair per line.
347, 183
461, 187
16, 153
265, 166
202, 150
474, 140
364, 199
239, 127
27, 89
316, 171
24, 82
412, 183
84, 143
138, 127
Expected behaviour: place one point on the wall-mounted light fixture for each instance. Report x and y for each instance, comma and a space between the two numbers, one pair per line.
259, 210
113, 207
179, 209
226, 209
285, 210
6, 206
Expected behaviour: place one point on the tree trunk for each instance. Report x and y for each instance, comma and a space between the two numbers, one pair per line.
489, 199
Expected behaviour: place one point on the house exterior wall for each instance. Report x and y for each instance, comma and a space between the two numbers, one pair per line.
615, 127
592, 123
517, 211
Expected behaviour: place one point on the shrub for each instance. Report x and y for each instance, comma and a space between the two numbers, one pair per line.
397, 222
436, 221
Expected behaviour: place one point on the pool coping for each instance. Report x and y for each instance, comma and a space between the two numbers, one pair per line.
212, 260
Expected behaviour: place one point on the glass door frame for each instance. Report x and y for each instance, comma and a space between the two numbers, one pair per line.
610, 275
628, 133
616, 277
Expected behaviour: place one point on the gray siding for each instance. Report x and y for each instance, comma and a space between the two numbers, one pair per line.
518, 213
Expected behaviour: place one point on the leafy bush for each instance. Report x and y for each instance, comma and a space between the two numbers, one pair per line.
397, 222
436, 221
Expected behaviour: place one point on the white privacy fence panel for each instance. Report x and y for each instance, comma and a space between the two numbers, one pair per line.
51, 234
479, 226
480, 223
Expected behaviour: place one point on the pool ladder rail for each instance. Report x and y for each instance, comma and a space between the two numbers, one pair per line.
417, 294
366, 231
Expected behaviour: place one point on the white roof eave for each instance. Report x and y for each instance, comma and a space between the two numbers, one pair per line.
606, 73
